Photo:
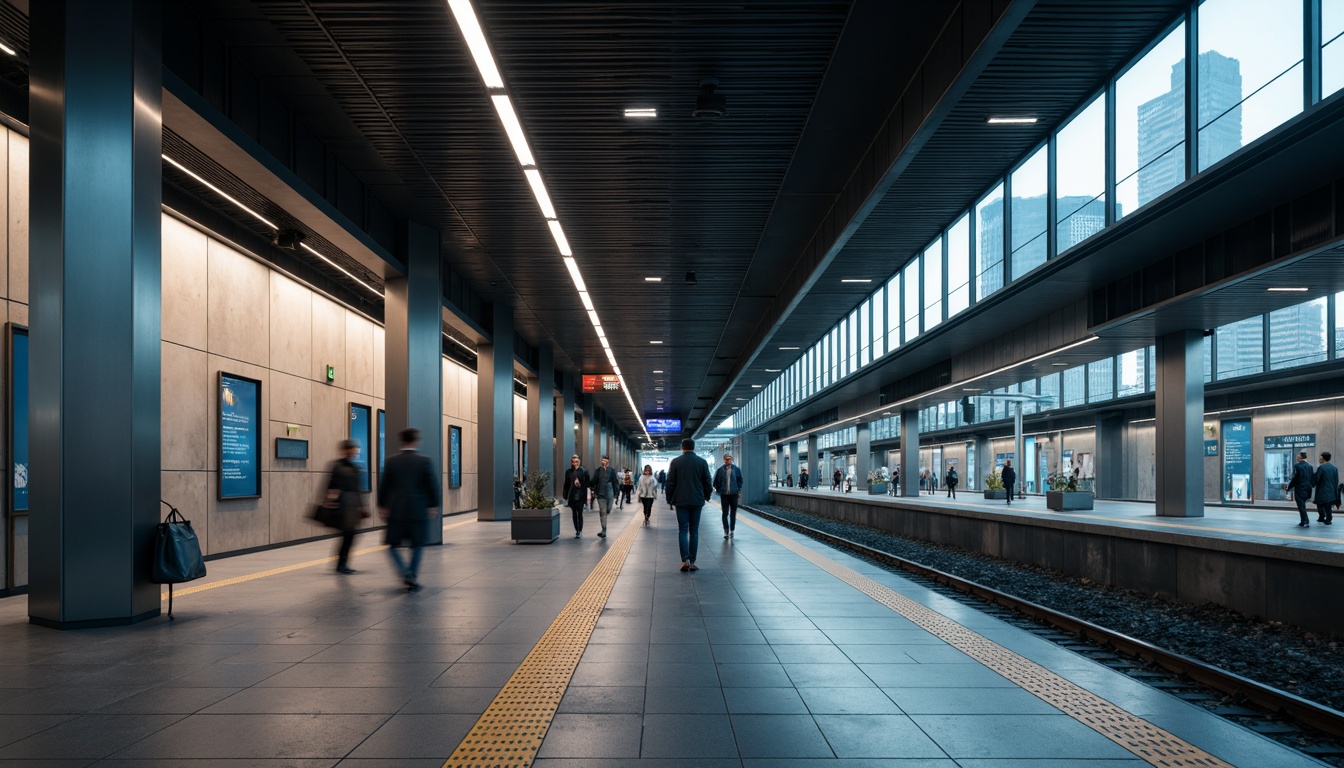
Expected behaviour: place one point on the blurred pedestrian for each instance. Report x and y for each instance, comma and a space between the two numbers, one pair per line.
408, 497
1300, 485
346, 496
951, 479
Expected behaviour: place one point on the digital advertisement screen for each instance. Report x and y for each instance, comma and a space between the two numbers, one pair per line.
289, 448
18, 417
360, 425
239, 437
1237, 460
601, 382
663, 426
454, 457
382, 440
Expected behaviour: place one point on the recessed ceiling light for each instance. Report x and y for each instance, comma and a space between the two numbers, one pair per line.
1288, 290
886, 413
8, 50
742, 398
755, 386
772, 370
641, 112
1060, 365
788, 348
655, 341
657, 389
856, 280
653, 279
1005, 120
970, 389
657, 371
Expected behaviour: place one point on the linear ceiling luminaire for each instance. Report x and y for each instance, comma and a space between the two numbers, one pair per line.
539, 191
513, 128
587, 300
220, 192
563, 244
476, 43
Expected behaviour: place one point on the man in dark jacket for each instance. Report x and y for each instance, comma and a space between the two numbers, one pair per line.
1009, 477
728, 484
344, 495
1326, 481
688, 488
1300, 486
606, 486
576, 492
408, 497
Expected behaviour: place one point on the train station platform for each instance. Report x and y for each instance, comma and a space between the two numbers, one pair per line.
778, 652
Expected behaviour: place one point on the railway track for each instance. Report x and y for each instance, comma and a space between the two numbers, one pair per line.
1312, 728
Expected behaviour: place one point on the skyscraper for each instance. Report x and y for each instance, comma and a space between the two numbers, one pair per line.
1162, 124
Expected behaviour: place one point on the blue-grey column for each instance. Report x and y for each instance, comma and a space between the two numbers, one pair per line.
813, 461
755, 461
565, 425
793, 461
95, 191
863, 456
494, 435
909, 452
541, 412
413, 360
1109, 483
1179, 454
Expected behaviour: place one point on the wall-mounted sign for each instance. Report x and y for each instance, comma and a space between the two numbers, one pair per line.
1237, 460
18, 418
601, 382
359, 432
663, 426
454, 457
239, 437
289, 448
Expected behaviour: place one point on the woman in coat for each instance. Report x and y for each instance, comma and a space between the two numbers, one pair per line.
345, 496
648, 491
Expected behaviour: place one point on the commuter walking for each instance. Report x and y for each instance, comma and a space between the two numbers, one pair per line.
662, 479
802, 480
1300, 486
951, 480
605, 485
576, 492
688, 488
728, 484
648, 491
933, 483
344, 494
1009, 477
1326, 481
923, 480
408, 496
627, 487
896, 482
836, 477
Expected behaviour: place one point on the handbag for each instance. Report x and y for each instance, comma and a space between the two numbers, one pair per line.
177, 551
326, 514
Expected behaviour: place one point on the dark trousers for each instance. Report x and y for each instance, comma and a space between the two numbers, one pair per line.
1009, 486
952, 490
343, 557
688, 532
1302, 507
577, 509
1323, 513
729, 505
648, 506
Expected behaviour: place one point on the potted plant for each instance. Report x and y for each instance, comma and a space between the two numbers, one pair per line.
994, 486
877, 482
1063, 494
537, 518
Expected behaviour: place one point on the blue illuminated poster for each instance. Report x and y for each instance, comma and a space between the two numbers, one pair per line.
359, 432
382, 439
454, 457
239, 437
663, 426
18, 417
1237, 461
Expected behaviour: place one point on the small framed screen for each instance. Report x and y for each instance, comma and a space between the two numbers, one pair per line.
289, 448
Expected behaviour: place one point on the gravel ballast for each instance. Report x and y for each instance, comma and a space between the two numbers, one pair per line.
1307, 664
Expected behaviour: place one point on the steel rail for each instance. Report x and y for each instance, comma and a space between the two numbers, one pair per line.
1306, 712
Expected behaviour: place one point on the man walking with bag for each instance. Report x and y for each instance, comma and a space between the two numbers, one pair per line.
408, 497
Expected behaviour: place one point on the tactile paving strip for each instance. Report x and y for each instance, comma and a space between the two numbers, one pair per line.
510, 731
1147, 741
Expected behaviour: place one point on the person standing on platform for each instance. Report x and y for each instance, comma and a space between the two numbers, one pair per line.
1009, 477
836, 477
896, 481
576, 492
345, 496
688, 488
951, 479
1326, 481
408, 497
802, 479
627, 487
605, 485
728, 484
1300, 486
662, 479
647, 491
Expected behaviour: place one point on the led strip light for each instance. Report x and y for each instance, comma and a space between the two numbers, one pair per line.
470, 27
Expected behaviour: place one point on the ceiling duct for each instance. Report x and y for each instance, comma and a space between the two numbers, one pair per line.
708, 104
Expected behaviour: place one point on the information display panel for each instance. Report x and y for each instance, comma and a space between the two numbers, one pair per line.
239, 437
360, 426
454, 457
18, 418
600, 382
663, 426
1237, 461
382, 440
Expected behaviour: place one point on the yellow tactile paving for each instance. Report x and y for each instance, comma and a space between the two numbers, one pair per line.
180, 592
1145, 740
510, 731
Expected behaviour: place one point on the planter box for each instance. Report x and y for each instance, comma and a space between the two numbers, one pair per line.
1062, 500
877, 489
535, 526
1001, 495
